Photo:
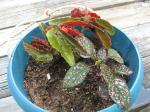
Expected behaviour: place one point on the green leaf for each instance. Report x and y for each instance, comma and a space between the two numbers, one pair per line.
71, 40
36, 54
121, 69
61, 46
103, 37
43, 28
75, 75
113, 54
102, 54
107, 73
88, 46
106, 26
98, 62
58, 21
119, 92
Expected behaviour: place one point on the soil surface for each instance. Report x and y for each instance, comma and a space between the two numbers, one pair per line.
49, 94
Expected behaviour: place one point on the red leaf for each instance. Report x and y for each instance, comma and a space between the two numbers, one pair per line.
40, 40
104, 38
76, 12
37, 45
31, 47
75, 23
71, 31
40, 46
94, 15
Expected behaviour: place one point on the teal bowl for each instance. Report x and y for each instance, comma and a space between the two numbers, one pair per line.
120, 42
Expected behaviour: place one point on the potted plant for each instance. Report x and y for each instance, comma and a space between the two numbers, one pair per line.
80, 63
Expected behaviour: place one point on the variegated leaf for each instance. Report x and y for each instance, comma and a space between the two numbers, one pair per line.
103, 37
75, 75
102, 54
58, 21
58, 43
113, 54
103, 91
88, 46
106, 26
36, 54
119, 92
107, 73
121, 69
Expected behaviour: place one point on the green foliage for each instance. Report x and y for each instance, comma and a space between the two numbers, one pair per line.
43, 28
106, 26
102, 54
107, 73
37, 54
113, 54
103, 37
75, 75
62, 37
119, 92
98, 62
121, 69
71, 40
58, 21
58, 43
88, 46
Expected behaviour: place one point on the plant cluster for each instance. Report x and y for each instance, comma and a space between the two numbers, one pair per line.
66, 37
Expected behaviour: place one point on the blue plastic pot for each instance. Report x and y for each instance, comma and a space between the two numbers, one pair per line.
19, 60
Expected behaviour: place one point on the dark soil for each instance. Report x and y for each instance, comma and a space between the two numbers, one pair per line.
49, 94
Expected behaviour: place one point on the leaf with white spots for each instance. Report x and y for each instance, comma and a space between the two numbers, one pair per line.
113, 54
88, 46
75, 75
106, 72
121, 69
119, 92
102, 54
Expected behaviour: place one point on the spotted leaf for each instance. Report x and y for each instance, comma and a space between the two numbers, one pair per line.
75, 75
113, 54
88, 46
37, 54
119, 92
58, 43
106, 26
102, 54
121, 69
107, 73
